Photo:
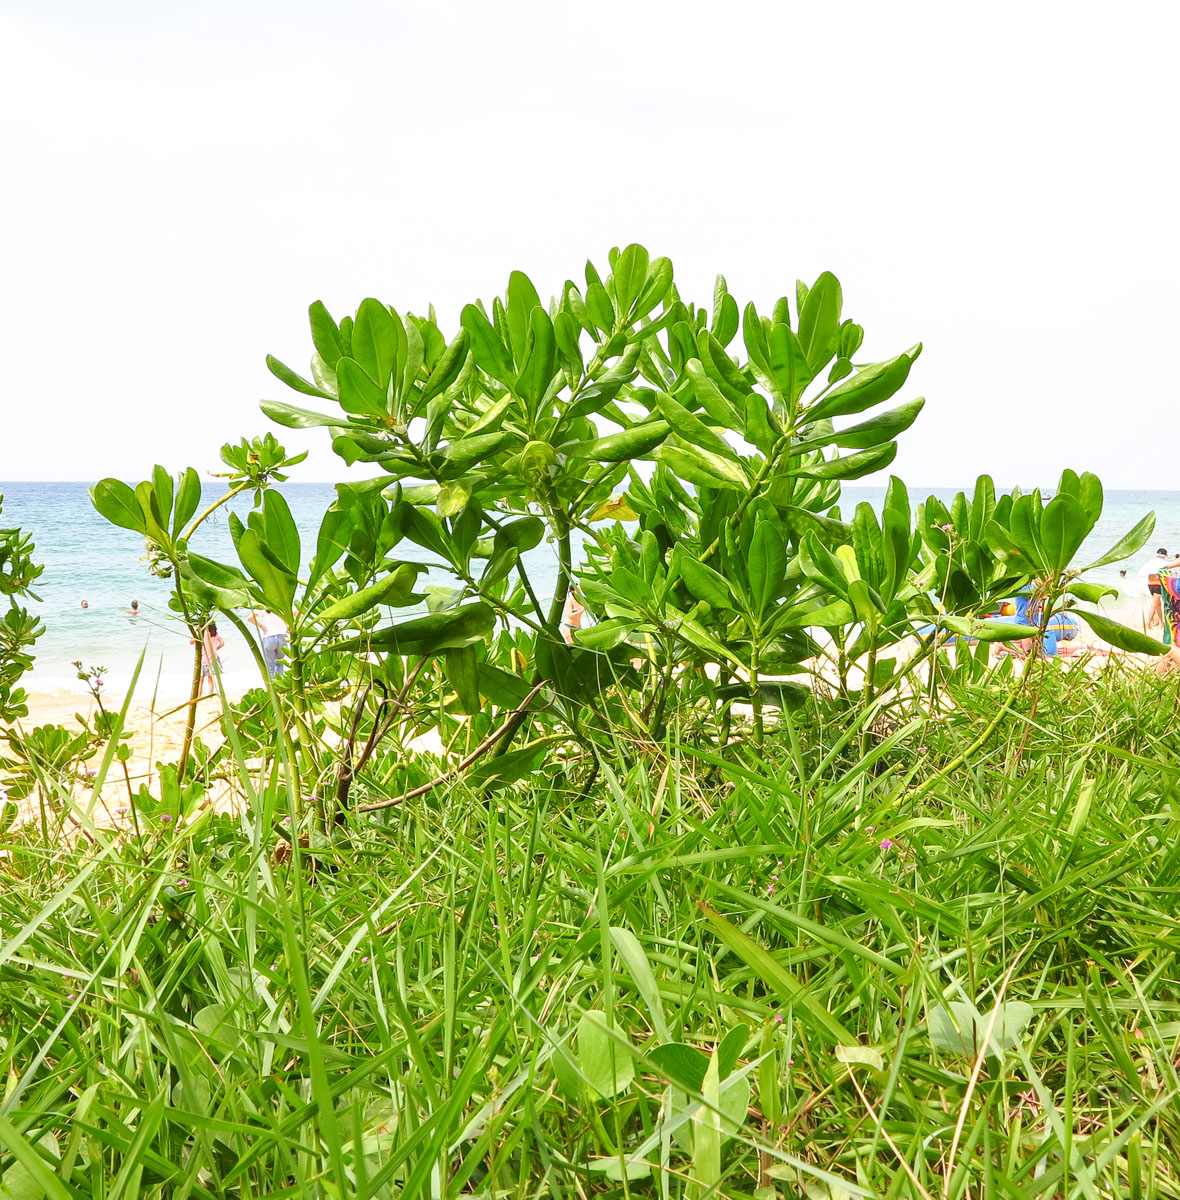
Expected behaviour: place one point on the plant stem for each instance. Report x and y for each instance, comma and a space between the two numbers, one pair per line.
241, 487
961, 758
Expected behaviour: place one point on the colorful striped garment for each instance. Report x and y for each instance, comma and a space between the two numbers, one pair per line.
1170, 596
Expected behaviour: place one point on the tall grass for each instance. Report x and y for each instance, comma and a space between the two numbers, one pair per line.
775, 956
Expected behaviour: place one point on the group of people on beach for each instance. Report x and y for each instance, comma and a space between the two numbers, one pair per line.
1149, 574
272, 630
274, 633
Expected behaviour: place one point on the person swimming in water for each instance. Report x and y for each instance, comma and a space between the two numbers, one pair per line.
133, 611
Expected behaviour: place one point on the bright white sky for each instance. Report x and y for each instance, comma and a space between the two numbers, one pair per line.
180, 181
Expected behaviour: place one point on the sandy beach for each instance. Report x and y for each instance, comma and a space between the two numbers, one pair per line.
156, 728
156, 736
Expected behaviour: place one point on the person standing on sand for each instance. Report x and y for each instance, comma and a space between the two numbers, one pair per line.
211, 642
572, 619
274, 637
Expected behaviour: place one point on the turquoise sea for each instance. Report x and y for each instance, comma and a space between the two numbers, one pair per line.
87, 558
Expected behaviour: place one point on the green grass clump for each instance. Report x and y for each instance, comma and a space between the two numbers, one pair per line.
825, 974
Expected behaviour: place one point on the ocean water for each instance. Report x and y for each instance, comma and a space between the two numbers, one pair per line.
87, 558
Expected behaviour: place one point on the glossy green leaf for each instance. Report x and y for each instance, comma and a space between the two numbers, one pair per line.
375, 342
691, 428
539, 359
766, 565
116, 501
218, 574
149, 506
453, 497
705, 583
1120, 636
1091, 593
822, 566
988, 631
789, 368
701, 468
566, 333
596, 396
605, 635
849, 466
430, 634
359, 395
710, 397
409, 365
188, 497
162, 493
630, 444
870, 385
462, 671
447, 369
1064, 526
394, 591
1130, 543
281, 532
487, 347
759, 428
655, 287
725, 319
723, 371
819, 321
629, 277
274, 579
326, 335
882, 428
331, 541
522, 300
293, 417
1024, 528
600, 308
284, 373
469, 451
827, 616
